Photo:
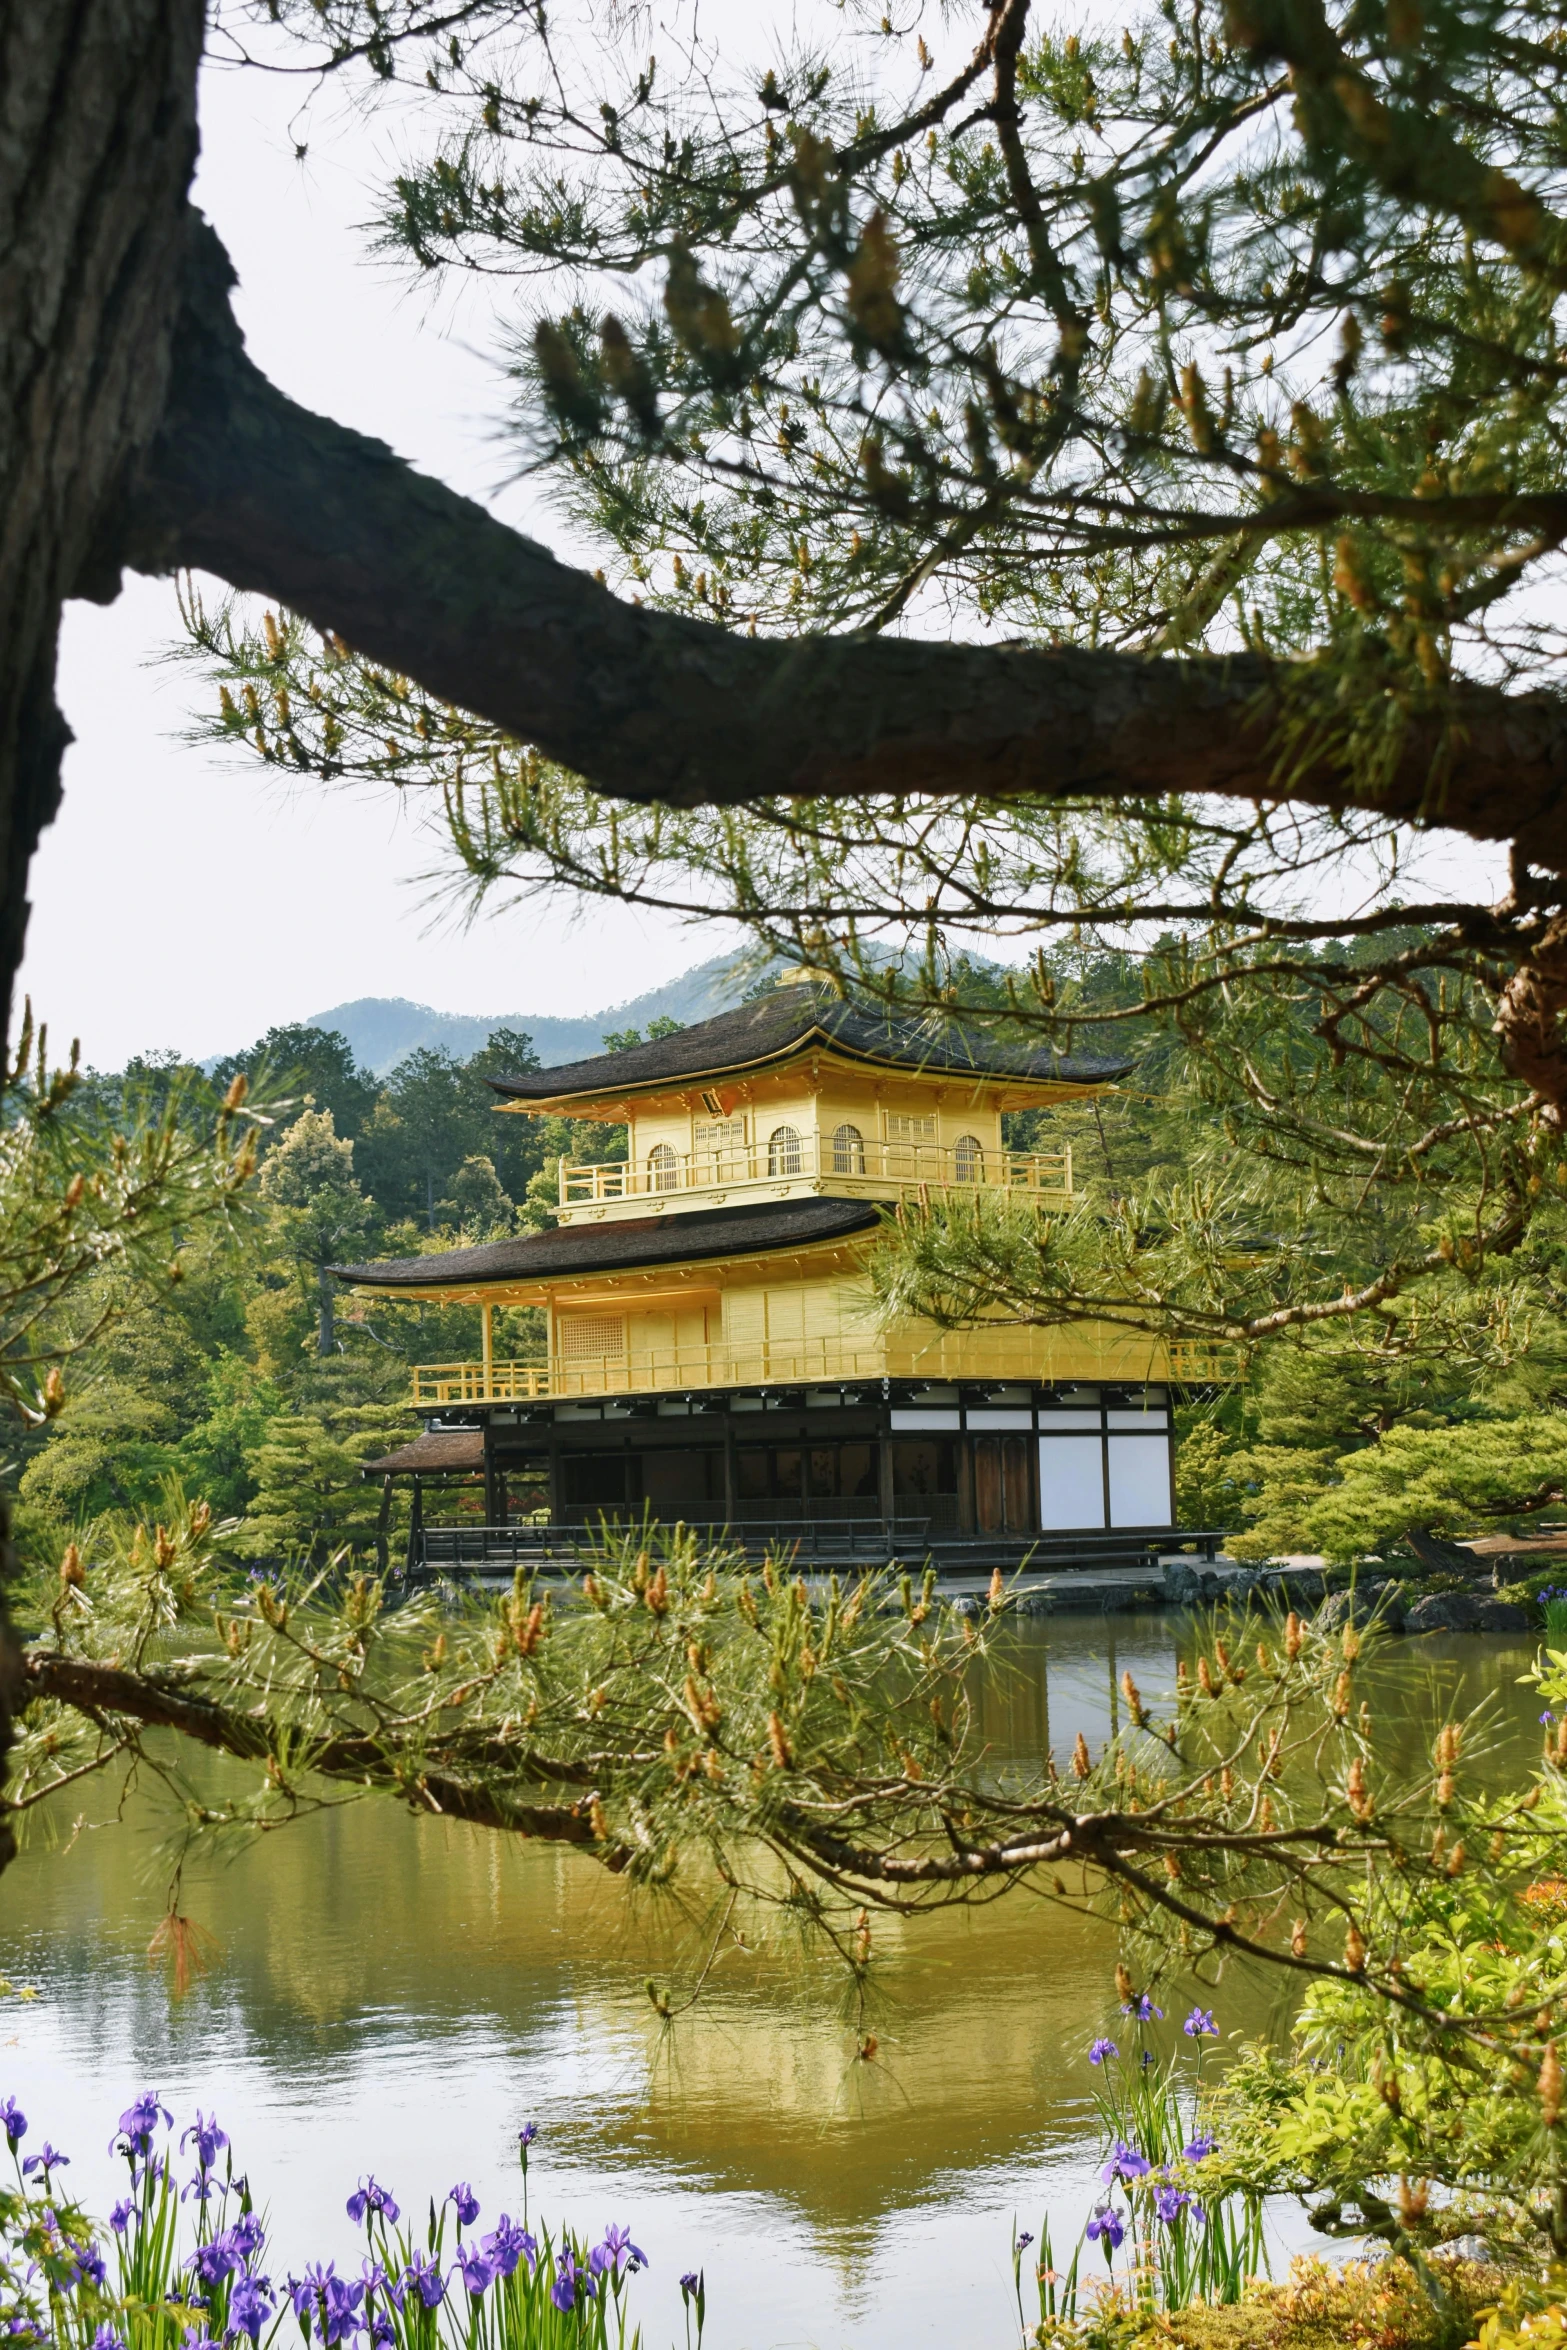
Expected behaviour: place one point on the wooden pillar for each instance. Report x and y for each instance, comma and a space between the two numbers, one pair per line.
729, 1469
494, 1481
382, 1522
487, 1343
416, 1525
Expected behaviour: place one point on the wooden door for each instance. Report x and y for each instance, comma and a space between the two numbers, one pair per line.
1003, 1486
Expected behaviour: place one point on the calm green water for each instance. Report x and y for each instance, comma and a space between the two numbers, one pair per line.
402, 1994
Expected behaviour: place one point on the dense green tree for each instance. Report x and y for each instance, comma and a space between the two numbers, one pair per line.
312, 1499
434, 1112
309, 1177
478, 1205
511, 1141
314, 1066
625, 1040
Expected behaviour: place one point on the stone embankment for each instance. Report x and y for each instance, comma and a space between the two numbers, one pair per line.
1181, 1581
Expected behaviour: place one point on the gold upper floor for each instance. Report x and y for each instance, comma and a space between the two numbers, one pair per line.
814, 1126
768, 1158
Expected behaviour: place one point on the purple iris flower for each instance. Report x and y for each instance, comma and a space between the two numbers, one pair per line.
467, 2203
336, 2299
478, 2269
690, 2283
506, 2244
249, 2308
1200, 2148
137, 2124
122, 2215
213, 2262
572, 2284
1107, 2224
1125, 2163
1026, 2238
1547, 1718
382, 2329
426, 2280
340, 2301
107, 2339
369, 2197
89, 2263
14, 2122
46, 2160
302, 2292
1101, 2049
1143, 2008
208, 2138
1169, 2203
247, 2235
1200, 2025
617, 2251
526, 2135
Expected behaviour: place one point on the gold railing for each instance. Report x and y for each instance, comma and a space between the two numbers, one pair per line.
1008, 1351
814, 1155
1205, 1362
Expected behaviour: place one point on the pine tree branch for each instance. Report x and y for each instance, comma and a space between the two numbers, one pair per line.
654, 706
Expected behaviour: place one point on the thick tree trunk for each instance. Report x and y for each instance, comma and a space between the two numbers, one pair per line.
97, 144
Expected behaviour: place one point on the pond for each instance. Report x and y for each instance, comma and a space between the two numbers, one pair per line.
400, 1995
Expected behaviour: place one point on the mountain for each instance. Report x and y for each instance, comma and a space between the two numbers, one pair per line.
382, 1029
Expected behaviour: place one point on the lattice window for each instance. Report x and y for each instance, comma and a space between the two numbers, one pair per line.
848, 1151
969, 1159
720, 1147
783, 1151
906, 1126
599, 1335
663, 1169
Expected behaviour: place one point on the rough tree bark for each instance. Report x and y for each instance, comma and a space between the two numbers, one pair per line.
97, 143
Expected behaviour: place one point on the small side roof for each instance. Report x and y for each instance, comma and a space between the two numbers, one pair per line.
436, 1450
781, 1024
570, 1249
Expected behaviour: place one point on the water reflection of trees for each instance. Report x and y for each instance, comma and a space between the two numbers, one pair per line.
365, 1930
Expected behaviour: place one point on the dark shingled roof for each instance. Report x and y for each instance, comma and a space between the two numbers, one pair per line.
779, 1024
614, 1248
437, 1449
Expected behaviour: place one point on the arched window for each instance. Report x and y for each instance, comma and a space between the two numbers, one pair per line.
848, 1151
783, 1151
969, 1159
662, 1172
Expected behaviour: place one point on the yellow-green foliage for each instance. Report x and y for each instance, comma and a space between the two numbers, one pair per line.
1377, 2305
1447, 1479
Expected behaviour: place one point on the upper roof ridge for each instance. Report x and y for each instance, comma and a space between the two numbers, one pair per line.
772, 1026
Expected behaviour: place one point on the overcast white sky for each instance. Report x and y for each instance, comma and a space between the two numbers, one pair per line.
189, 901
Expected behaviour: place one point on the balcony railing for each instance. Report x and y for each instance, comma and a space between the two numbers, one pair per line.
1005, 1352
848, 1162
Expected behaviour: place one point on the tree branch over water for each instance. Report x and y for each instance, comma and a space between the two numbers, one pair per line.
819, 1752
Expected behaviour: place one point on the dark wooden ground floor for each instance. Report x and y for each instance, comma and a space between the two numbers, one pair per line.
902, 1465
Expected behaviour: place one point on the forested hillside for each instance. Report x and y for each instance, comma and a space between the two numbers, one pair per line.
253, 1381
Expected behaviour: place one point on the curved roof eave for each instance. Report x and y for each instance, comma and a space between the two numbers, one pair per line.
775, 1029
569, 1252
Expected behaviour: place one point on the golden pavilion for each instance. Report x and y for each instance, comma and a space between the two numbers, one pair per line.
713, 1352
